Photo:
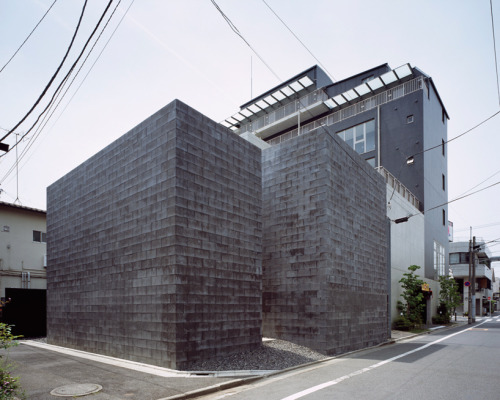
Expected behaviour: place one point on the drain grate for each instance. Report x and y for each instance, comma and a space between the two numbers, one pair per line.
75, 390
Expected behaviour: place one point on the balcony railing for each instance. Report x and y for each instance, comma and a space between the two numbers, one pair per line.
355, 109
280, 113
399, 187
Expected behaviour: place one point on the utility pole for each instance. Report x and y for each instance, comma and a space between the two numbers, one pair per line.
473, 282
469, 301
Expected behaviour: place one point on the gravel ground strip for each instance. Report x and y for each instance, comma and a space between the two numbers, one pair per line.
270, 355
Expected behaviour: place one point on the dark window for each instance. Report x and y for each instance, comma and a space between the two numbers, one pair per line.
410, 119
444, 183
444, 218
459, 258
39, 236
442, 146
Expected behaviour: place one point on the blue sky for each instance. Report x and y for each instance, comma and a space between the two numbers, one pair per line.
184, 49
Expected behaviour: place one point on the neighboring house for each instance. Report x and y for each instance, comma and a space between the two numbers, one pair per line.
459, 265
22, 248
390, 117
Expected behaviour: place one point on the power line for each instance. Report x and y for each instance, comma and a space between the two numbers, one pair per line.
450, 201
494, 48
235, 30
456, 137
25, 40
300, 41
478, 227
67, 75
40, 128
53, 76
480, 183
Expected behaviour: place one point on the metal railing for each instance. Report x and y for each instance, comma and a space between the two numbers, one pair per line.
282, 112
355, 109
399, 187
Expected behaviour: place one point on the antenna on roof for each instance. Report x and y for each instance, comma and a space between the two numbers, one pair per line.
251, 78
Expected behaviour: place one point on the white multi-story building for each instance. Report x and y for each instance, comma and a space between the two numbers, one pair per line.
459, 265
22, 248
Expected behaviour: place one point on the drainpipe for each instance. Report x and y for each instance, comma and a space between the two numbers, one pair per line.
378, 136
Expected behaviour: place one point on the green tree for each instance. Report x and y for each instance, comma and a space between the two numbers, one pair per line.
449, 298
413, 298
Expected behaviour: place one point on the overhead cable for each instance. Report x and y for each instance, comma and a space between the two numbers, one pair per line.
66, 76
300, 41
448, 202
40, 128
495, 48
25, 40
53, 76
235, 30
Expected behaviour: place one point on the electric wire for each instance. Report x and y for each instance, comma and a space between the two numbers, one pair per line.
478, 227
300, 41
53, 76
494, 48
40, 128
235, 30
451, 201
25, 40
47, 117
480, 183
66, 76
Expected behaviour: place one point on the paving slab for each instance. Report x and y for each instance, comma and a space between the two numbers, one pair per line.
42, 370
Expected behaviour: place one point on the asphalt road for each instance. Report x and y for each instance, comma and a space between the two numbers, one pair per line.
461, 363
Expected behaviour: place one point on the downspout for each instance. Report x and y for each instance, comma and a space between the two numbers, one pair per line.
378, 137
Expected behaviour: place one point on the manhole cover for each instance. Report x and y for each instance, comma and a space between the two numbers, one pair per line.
75, 390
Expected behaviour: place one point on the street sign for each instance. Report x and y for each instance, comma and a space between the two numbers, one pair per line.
425, 287
467, 283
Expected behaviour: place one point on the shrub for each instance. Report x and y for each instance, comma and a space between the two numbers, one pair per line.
9, 385
402, 324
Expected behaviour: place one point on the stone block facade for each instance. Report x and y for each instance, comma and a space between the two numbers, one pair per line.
155, 244
325, 245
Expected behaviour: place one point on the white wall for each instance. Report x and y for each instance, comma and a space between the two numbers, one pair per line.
18, 252
407, 246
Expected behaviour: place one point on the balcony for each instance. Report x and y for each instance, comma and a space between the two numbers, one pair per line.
312, 105
399, 187
352, 110
462, 271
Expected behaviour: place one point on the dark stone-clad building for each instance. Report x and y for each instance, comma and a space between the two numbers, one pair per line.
155, 244
325, 245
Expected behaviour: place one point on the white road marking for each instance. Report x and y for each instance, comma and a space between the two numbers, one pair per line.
371, 367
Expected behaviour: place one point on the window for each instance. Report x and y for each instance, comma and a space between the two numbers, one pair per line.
444, 218
410, 119
459, 258
439, 258
360, 137
444, 182
371, 161
442, 146
39, 237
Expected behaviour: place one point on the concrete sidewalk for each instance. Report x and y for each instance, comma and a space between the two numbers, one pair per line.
43, 368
